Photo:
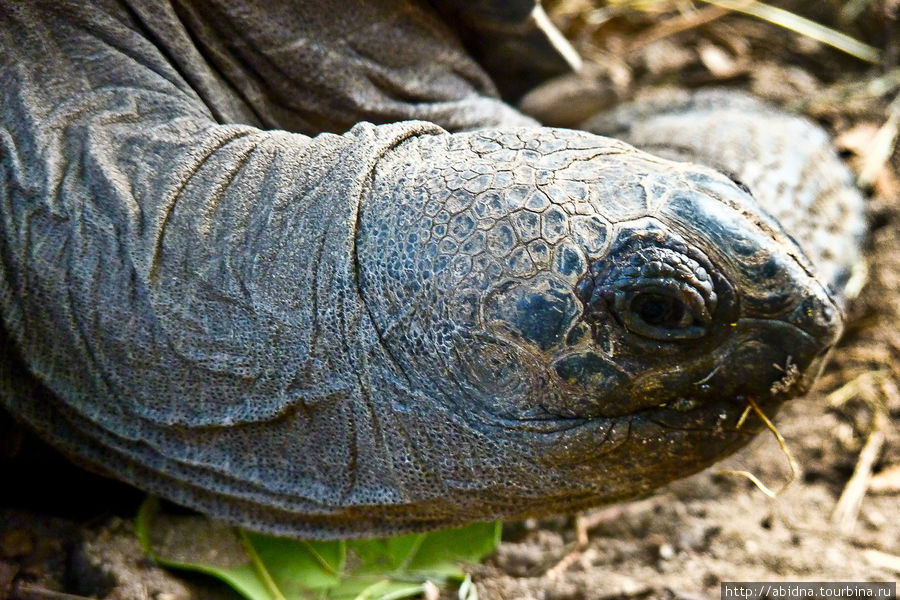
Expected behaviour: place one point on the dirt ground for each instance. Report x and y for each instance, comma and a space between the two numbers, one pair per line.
67, 534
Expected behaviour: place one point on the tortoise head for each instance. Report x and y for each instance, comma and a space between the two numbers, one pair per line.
704, 301
601, 325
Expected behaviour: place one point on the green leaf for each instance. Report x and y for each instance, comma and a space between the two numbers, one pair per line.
263, 567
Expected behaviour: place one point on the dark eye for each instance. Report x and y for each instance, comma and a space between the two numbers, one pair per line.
654, 292
659, 310
662, 316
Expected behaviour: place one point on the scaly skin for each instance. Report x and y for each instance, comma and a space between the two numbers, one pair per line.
393, 329
785, 160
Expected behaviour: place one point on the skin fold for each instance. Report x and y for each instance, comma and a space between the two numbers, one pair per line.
302, 269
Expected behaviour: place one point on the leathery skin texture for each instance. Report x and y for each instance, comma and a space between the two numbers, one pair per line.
395, 327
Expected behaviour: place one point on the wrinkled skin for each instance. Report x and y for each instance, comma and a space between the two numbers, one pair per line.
393, 329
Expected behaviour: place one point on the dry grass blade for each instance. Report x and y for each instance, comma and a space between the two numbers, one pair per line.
748, 475
876, 558
862, 386
792, 462
648, 6
34, 592
803, 26
882, 146
847, 508
886, 481
677, 24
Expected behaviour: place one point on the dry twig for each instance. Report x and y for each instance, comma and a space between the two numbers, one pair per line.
846, 511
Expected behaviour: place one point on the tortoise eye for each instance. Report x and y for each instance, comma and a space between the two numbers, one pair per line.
655, 292
662, 316
660, 311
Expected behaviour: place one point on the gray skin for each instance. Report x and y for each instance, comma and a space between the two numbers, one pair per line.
406, 325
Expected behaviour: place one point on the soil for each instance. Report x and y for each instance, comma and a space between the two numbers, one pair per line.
66, 533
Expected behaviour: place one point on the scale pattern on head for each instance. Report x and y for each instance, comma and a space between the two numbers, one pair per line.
549, 282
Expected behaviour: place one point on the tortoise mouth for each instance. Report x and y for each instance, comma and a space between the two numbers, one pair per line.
687, 408
630, 455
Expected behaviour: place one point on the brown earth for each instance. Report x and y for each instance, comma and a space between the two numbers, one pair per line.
66, 534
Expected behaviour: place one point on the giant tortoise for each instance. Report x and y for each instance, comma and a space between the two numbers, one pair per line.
297, 265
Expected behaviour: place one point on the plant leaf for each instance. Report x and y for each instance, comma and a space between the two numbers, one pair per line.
262, 567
